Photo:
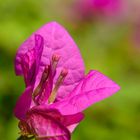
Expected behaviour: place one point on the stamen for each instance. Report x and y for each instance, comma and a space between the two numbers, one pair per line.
59, 81
55, 59
39, 87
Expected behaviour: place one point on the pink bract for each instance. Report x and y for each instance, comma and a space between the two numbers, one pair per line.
93, 88
49, 124
36, 53
55, 40
57, 91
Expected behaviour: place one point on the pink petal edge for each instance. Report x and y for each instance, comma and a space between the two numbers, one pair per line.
94, 88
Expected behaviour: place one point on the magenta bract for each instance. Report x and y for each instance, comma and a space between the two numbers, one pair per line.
49, 124
52, 47
57, 91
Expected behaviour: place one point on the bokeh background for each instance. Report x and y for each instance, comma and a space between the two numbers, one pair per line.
108, 35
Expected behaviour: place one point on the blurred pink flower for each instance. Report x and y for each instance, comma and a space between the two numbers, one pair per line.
57, 91
89, 9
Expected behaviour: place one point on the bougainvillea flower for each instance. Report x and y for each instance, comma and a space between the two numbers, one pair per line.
49, 62
57, 91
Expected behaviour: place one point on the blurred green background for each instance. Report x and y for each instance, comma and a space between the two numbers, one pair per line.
108, 44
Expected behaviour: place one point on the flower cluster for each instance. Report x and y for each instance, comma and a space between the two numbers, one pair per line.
57, 89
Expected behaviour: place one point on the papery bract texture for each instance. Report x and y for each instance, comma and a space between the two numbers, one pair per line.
93, 88
27, 62
46, 127
46, 123
23, 103
56, 41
